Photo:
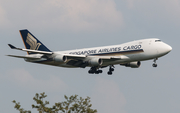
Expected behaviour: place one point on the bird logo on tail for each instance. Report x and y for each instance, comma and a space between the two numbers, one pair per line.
32, 42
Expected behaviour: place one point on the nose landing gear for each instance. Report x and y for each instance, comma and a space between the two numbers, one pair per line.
155, 64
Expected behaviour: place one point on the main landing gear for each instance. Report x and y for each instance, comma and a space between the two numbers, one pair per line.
155, 64
94, 70
111, 69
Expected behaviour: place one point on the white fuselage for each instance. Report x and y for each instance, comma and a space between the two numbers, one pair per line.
139, 50
128, 54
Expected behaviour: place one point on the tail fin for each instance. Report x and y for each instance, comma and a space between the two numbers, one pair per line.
31, 42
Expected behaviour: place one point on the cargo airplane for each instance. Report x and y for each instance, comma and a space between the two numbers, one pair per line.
128, 54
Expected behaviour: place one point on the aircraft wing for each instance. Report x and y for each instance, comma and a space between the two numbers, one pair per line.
109, 57
89, 56
79, 60
75, 56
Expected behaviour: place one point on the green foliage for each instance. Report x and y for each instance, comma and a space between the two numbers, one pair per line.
18, 107
72, 104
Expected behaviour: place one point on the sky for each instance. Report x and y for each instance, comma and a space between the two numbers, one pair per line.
75, 24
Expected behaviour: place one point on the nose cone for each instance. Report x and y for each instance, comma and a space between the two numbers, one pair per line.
168, 48
163, 49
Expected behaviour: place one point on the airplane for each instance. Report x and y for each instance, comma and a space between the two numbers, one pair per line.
128, 54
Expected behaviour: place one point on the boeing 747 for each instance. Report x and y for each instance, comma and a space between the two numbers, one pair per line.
128, 54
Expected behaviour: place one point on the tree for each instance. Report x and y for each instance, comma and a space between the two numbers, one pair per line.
72, 104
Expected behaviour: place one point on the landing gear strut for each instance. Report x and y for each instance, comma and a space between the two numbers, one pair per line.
94, 70
154, 64
111, 69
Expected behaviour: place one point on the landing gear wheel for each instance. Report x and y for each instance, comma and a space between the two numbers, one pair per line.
109, 73
97, 72
90, 72
94, 70
154, 65
100, 71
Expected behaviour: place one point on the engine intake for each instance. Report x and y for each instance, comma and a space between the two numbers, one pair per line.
132, 64
60, 58
96, 62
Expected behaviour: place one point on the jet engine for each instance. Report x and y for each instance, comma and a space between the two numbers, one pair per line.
96, 62
132, 64
60, 58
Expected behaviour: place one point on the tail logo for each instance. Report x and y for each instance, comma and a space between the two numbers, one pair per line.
32, 42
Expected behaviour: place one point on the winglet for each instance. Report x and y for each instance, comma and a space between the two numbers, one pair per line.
11, 46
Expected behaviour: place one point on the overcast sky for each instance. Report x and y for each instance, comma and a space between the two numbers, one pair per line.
74, 24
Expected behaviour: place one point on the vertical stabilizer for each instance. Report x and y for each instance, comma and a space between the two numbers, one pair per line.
31, 42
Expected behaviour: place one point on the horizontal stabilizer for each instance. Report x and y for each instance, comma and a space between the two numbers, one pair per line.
11, 46
28, 57
35, 51
29, 50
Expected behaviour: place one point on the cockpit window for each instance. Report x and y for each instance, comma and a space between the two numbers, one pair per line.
157, 40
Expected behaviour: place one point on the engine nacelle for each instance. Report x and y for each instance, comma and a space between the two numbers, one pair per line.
96, 62
60, 58
132, 64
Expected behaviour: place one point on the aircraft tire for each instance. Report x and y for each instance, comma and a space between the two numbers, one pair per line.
100, 71
90, 72
154, 65
109, 73
97, 72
